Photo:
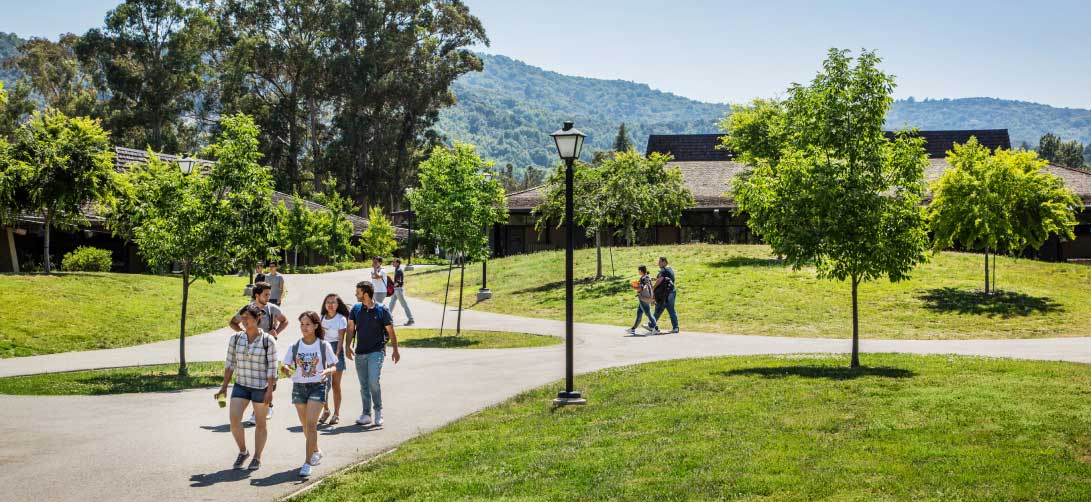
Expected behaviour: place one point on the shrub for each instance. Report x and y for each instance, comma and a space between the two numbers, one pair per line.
88, 259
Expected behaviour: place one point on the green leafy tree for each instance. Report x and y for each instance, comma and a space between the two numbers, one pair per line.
999, 202
151, 60
300, 228
1087, 154
455, 202
53, 70
17, 107
835, 193
334, 226
621, 141
1070, 154
206, 223
57, 165
378, 239
1048, 146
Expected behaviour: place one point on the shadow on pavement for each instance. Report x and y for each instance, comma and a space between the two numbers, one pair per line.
217, 428
224, 476
348, 429
289, 476
821, 372
1004, 304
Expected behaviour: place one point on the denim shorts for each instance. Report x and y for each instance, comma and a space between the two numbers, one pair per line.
303, 392
248, 393
340, 357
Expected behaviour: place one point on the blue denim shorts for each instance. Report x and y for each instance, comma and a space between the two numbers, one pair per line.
248, 393
303, 392
340, 357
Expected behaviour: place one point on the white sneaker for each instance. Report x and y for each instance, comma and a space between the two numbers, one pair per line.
305, 471
270, 415
651, 331
249, 420
316, 458
363, 420
378, 417
631, 331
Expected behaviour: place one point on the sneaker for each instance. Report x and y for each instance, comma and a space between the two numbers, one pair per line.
270, 415
363, 420
325, 416
241, 458
631, 331
254, 465
305, 471
675, 330
409, 323
249, 420
378, 417
651, 330
316, 458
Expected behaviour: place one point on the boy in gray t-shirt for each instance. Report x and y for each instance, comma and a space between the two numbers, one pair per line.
277, 290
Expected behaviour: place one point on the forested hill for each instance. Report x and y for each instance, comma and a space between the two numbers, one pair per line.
1025, 121
509, 109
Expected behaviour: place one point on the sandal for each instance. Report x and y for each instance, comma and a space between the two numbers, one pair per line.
325, 416
334, 419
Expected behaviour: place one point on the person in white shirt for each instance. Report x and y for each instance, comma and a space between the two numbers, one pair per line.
309, 361
335, 321
378, 279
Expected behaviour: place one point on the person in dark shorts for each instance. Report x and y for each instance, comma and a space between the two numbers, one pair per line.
309, 362
272, 322
252, 361
335, 322
370, 326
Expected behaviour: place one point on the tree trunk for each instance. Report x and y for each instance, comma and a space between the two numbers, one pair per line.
47, 264
461, 281
182, 369
295, 258
994, 273
598, 255
855, 326
986, 270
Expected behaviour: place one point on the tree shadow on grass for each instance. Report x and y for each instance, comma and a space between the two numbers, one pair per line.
1004, 304
108, 383
590, 287
440, 342
836, 373
744, 261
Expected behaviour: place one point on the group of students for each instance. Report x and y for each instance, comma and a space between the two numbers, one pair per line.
315, 363
661, 292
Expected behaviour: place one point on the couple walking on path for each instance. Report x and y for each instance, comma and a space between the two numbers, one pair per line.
660, 292
313, 364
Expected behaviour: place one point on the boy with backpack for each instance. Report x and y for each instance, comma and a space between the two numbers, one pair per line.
645, 297
665, 292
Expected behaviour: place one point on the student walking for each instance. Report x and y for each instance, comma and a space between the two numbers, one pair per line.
369, 328
399, 292
309, 362
665, 293
645, 297
335, 319
378, 279
259, 274
278, 290
272, 322
252, 360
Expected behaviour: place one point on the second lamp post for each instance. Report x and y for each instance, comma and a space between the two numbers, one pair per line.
569, 143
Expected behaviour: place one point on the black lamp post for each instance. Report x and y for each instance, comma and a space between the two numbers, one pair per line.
484, 293
569, 143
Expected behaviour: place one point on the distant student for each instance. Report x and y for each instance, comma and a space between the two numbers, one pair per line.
252, 361
335, 322
399, 292
644, 300
278, 289
309, 362
272, 322
259, 274
378, 279
369, 327
665, 292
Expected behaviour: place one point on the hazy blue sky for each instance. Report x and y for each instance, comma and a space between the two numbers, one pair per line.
733, 50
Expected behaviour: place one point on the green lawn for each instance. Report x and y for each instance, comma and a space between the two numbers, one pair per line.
471, 339
768, 428
158, 378
742, 289
83, 311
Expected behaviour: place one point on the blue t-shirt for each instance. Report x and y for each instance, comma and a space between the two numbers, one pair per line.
370, 327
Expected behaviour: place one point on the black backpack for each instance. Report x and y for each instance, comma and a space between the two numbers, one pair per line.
663, 289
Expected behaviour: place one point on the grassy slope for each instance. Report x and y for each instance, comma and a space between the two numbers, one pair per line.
84, 311
471, 339
769, 428
742, 289
158, 378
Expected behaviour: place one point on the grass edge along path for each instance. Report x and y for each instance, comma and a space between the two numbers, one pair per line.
121, 380
797, 427
471, 339
743, 289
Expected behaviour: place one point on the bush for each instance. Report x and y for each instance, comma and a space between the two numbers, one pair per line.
88, 259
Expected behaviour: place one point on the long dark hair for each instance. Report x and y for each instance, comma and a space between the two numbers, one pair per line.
319, 331
341, 307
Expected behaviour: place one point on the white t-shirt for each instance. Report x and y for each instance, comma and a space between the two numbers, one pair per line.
307, 360
333, 327
380, 283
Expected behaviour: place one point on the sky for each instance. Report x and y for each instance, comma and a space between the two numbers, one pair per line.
733, 51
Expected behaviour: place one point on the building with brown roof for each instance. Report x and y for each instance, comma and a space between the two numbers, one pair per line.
715, 218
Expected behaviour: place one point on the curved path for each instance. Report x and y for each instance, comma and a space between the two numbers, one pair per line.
176, 445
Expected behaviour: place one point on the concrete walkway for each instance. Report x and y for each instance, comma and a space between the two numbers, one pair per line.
176, 445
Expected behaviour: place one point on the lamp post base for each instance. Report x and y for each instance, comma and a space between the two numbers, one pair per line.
408, 268
569, 399
483, 294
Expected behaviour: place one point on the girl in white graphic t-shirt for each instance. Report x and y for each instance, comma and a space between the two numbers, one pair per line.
309, 361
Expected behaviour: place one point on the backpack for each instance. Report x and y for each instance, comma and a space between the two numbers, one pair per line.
321, 352
389, 287
646, 294
664, 288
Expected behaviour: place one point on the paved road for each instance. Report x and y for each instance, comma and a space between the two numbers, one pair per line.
176, 446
